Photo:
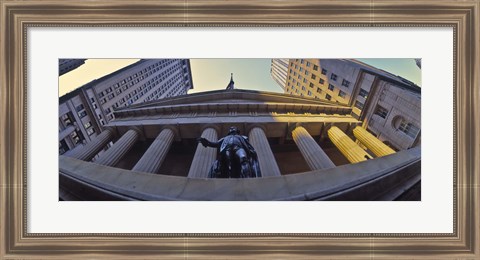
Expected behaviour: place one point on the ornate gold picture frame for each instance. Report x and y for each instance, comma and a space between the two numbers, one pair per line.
17, 16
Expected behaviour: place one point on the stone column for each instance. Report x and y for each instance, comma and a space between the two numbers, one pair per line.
113, 155
87, 152
268, 164
153, 158
204, 156
314, 155
371, 142
352, 151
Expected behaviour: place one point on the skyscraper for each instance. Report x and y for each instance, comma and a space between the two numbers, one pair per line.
84, 111
67, 65
279, 71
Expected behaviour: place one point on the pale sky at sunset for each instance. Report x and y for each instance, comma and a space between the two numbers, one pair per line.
213, 74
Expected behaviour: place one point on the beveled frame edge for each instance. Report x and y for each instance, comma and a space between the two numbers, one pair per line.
16, 16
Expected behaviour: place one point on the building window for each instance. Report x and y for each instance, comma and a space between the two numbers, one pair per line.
324, 72
331, 87
319, 90
303, 88
309, 93
308, 64
359, 105
301, 61
363, 93
82, 114
328, 97
90, 131
342, 94
311, 85
314, 77
345, 83
301, 69
67, 119
79, 107
304, 80
321, 81
315, 67
76, 137
381, 111
87, 124
333, 77
409, 129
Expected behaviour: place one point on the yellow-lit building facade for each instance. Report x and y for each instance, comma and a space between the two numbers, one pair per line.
389, 105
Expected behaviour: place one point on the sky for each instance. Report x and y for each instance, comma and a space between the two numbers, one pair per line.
213, 74
92, 69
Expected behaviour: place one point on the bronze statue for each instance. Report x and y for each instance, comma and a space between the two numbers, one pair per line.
237, 159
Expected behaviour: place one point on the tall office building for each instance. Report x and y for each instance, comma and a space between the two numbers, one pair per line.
307, 149
67, 65
279, 71
419, 63
84, 111
388, 105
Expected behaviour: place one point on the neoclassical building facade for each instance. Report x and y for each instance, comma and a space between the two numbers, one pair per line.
308, 149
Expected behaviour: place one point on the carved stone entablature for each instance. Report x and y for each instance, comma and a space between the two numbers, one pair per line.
235, 103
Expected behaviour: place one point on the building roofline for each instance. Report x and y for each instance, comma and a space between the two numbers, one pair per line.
90, 84
389, 77
172, 100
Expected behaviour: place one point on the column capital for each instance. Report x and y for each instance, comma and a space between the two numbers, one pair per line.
249, 127
175, 130
213, 126
139, 130
112, 129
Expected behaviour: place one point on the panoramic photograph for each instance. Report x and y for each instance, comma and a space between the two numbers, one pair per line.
278, 129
